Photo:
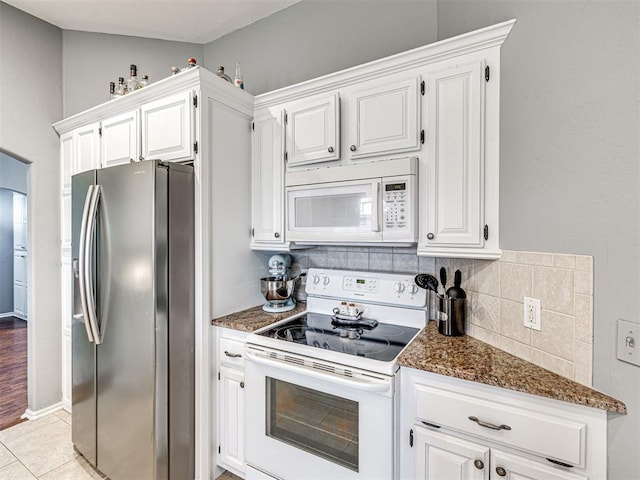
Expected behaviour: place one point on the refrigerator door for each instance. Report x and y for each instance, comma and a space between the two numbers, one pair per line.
131, 233
83, 363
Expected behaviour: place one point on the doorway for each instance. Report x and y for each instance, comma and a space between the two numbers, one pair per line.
14, 287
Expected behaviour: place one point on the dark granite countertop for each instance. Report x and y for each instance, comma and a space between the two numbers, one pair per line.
460, 357
254, 318
470, 359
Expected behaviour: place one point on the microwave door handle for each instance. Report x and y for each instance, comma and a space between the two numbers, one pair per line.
375, 206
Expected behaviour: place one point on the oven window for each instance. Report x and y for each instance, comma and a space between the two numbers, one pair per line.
316, 422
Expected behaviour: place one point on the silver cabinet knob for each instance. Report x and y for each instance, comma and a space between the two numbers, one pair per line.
330, 149
479, 464
277, 235
141, 158
501, 471
430, 236
241, 384
352, 148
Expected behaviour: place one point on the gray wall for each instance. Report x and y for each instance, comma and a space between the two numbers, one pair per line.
569, 132
315, 37
6, 251
92, 60
13, 174
30, 101
569, 161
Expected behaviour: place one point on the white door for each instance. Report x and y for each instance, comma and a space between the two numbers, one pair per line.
267, 179
440, 456
512, 467
313, 130
384, 119
120, 139
455, 192
20, 278
231, 438
168, 128
87, 148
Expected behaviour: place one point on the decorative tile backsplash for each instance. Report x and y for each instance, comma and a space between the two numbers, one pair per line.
495, 290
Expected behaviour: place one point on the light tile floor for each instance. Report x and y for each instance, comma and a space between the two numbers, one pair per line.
42, 449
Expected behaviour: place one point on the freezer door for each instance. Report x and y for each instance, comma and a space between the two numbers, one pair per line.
130, 231
83, 396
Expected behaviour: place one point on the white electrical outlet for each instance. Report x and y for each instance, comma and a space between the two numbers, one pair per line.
629, 342
532, 313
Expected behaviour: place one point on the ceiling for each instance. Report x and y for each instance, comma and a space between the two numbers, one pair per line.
194, 21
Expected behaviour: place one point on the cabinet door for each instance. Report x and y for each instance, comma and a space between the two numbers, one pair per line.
313, 131
512, 467
455, 201
440, 456
384, 119
168, 128
267, 172
120, 139
231, 404
20, 299
87, 148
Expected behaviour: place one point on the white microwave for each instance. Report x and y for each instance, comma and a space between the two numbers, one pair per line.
366, 203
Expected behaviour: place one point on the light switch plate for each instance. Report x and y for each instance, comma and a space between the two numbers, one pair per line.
629, 342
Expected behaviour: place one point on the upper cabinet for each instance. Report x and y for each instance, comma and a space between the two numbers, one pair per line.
120, 140
384, 118
267, 181
167, 128
439, 103
313, 130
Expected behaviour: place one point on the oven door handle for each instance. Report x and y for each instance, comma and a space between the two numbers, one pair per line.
364, 385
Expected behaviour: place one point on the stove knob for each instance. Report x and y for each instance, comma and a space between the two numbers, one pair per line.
398, 287
413, 289
316, 279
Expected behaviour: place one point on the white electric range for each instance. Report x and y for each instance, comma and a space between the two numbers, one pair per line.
320, 384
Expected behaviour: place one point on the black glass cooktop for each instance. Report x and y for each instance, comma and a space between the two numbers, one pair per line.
383, 341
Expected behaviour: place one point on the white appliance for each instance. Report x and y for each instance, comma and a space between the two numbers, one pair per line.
320, 384
366, 203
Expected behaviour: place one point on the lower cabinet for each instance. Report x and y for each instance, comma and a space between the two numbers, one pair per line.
230, 400
442, 456
452, 429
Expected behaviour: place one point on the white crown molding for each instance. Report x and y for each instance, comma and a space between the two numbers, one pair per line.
492, 36
221, 90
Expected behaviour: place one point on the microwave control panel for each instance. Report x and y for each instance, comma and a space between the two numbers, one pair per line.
397, 207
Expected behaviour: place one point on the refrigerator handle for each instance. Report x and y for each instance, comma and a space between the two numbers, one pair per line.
82, 260
88, 265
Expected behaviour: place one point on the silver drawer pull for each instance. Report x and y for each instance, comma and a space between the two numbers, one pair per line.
489, 425
232, 355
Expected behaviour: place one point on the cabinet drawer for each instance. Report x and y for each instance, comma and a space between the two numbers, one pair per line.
231, 352
546, 435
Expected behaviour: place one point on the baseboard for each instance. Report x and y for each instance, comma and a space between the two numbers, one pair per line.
34, 415
20, 316
8, 314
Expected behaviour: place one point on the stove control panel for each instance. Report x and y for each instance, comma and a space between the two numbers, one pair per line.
376, 287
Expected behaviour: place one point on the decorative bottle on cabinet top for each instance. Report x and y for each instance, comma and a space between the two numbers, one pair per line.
238, 81
132, 83
223, 75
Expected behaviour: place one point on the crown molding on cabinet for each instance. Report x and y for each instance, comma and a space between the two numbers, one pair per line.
492, 36
221, 90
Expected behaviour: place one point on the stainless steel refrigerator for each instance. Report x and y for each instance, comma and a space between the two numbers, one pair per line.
133, 399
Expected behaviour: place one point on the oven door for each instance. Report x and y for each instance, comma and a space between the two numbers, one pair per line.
309, 419
335, 212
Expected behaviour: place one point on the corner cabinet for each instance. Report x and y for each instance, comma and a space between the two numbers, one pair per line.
461, 430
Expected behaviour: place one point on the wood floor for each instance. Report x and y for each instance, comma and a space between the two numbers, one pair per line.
13, 370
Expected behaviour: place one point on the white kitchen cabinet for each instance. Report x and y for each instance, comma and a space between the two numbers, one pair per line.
446, 457
120, 139
267, 181
447, 425
454, 215
86, 155
167, 131
230, 366
384, 118
313, 130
